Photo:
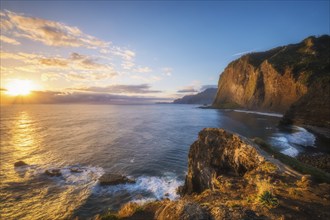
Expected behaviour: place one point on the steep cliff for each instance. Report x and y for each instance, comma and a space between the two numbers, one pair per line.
205, 97
275, 79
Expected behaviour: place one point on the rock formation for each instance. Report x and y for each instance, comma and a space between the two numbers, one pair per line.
231, 177
114, 179
276, 79
206, 97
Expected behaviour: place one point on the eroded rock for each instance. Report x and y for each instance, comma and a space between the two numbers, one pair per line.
218, 152
114, 179
53, 172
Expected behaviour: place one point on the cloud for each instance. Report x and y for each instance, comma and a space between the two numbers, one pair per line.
48, 32
76, 66
50, 76
143, 69
188, 90
54, 62
167, 71
117, 89
127, 65
53, 97
125, 54
244, 52
8, 40
204, 87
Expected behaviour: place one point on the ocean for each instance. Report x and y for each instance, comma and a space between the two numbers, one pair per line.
149, 143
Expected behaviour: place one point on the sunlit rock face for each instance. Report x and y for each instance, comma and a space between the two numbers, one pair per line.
218, 152
275, 79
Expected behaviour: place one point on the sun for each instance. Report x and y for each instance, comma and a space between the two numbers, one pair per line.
19, 87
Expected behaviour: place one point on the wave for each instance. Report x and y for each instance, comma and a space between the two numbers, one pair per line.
293, 143
146, 188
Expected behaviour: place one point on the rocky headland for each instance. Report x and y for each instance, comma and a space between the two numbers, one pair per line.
292, 79
231, 177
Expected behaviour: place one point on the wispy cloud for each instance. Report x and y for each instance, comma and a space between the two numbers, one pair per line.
48, 32
244, 52
145, 69
167, 71
188, 90
76, 67
8, 40
117, 89
52, 97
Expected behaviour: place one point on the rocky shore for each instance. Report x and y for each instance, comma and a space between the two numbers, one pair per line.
231, 177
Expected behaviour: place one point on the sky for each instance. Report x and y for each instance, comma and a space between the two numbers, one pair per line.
142, 50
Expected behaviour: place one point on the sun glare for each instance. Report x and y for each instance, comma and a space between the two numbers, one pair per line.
19, 87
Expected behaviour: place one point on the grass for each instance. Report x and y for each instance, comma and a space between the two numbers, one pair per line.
109, 216
268, 199
317, 174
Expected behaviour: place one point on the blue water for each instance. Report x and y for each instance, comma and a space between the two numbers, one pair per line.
147, 142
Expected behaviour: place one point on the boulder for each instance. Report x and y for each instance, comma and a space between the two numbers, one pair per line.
114, 179
53, 172
20, 164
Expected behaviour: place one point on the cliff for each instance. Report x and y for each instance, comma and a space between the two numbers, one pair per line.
205, 97
231, 177
274, 80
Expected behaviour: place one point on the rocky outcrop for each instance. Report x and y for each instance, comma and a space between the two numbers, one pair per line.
218, 152
114, 179
53, 173
20, 164
275, 79
203, 98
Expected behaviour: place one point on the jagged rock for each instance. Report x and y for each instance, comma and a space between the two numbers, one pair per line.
20, 164
218, 152
53, 172
114, 179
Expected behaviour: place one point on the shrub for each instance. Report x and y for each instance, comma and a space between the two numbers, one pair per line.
268, 199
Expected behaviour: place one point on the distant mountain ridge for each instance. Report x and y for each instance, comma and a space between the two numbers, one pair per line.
205, 97
292, 79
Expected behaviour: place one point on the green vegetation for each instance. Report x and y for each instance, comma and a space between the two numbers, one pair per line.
317, 174
109, 216
268, 199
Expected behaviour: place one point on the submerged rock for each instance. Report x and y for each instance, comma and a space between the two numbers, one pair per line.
53, 172
20, 164
114, 179
76, 170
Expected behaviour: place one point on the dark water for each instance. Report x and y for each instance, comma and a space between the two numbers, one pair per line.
147, 142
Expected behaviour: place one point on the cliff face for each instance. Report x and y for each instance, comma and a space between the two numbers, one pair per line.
275, 79
205, 97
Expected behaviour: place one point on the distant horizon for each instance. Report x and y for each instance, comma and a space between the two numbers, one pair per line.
141, 52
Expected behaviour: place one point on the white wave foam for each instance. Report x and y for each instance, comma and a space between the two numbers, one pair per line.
291, 143
87, 175
260, 113
156, 187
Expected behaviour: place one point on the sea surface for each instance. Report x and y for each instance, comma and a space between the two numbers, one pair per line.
149, 143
